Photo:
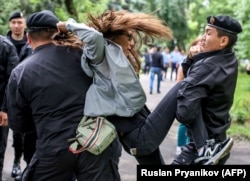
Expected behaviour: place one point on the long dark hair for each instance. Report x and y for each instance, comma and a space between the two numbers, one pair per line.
114, 23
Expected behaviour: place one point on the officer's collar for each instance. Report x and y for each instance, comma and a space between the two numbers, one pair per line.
211, 53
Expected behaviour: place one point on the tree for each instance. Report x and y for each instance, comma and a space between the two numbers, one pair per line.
174, 13
77, 9
186, 18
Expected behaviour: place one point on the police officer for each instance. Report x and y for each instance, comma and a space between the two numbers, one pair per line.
50, 87
23, 144
8, 60
206, 94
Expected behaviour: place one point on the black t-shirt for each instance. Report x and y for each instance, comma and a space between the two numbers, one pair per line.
19, 43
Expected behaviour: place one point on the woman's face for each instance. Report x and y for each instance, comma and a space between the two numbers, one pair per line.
127, 41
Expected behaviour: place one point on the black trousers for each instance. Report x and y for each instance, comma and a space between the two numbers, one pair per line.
84, 166
24, 144
4, 131
154, 158
147, 138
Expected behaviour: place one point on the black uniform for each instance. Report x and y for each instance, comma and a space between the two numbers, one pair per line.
8, 60
208, 90
50, 87
23, 144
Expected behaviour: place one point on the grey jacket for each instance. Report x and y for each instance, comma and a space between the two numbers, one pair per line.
116, 89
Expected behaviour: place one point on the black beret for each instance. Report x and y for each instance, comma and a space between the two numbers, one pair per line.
225, 23
42, 20
16, 14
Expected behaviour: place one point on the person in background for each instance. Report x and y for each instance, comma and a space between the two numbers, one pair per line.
8, 60
156, 68
50, 87
147, 62
183, 56
166, 61
23, 144
180, 75
175, 57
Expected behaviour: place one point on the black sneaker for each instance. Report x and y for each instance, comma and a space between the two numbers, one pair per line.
213, 152
187, 156
16, 170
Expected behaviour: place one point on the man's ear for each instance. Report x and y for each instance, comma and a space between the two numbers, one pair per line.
224, 41
29, 40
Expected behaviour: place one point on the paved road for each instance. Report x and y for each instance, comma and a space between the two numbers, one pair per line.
240, 154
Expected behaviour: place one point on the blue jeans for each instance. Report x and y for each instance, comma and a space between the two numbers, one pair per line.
182, 138
155, 71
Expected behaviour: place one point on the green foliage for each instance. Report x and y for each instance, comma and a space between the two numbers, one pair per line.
240, 110
240, 131
241, 9
6, 8
186, 18
77, 9
94, 7
174, 14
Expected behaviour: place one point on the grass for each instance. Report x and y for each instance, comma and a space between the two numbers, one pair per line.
240, 132
240, 111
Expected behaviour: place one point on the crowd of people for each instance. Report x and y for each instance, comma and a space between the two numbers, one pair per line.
71, 72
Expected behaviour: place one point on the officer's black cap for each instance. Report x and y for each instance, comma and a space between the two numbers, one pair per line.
16, 14
224, 23
42, 20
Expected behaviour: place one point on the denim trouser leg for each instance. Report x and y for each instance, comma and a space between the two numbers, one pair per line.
150, 135
159, 79
151, 84
155, 71
182, 138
